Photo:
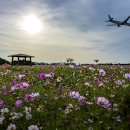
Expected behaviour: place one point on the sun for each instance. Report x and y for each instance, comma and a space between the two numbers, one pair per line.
31, 24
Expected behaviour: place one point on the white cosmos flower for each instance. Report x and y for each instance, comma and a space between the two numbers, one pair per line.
90, 120
91, 68
87, 84
115, 105
4, 110
69, 108
35, 94
33, 127
15, 115
81, 98
118, 118
28, 116
48, 75
21, 76
118, 82
90, 128
71, 66
11, 127
1, 119
89, 103
27, 109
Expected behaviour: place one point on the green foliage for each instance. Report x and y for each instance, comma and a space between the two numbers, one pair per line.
55, 109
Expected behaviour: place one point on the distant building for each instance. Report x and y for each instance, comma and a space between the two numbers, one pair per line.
21, 59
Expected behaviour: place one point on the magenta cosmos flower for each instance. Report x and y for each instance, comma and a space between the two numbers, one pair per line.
74, 94
42, 75
18, 103
101, 101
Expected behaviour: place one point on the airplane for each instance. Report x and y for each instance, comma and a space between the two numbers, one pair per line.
118, 23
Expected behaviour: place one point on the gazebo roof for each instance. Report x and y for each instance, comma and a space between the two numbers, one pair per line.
20, 55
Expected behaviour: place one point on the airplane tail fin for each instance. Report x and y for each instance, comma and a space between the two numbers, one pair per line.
110, 18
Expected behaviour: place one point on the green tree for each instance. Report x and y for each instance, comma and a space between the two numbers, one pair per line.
96, 60
3, 61
69, 60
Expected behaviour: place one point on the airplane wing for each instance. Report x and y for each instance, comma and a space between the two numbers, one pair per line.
111, 24
125, 21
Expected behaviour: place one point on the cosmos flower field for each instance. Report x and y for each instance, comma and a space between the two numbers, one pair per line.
93, 97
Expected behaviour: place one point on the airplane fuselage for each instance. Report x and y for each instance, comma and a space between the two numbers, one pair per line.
119, 23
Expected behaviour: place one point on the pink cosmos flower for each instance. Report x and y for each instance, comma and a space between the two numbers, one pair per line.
127, 75
13, 82
7, 93
87, 84
31, 96
3, 87
54, 92
99, 83
17, 86
82, 102
1, 104
18, 103
24, 85
28, 97
101, 101
52, 74
74, 94
102, 72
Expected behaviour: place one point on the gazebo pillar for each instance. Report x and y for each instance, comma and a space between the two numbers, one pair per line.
18, 60
30, 61
12, 60
25, 59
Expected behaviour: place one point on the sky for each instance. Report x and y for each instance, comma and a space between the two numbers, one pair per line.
70, 29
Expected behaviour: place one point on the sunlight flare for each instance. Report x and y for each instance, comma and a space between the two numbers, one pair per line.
31, 24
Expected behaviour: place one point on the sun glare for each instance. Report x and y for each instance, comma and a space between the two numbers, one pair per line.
31, 24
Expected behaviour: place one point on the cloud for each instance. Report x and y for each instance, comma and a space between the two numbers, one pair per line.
73, 28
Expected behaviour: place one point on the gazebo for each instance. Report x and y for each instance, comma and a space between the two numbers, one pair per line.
21, 59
